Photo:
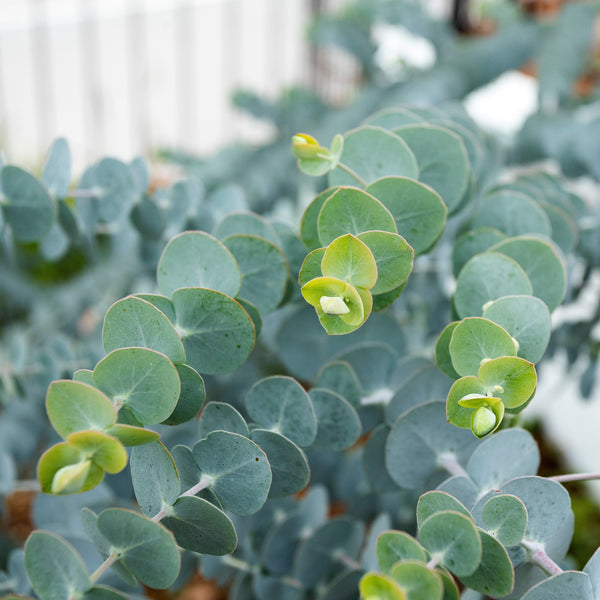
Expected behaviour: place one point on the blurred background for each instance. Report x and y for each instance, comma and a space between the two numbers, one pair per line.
127, 77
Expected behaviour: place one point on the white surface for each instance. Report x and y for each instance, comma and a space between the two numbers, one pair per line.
124, 77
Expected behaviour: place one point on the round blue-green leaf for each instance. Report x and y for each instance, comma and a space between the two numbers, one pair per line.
487, 277
542, 264
196, 259
264, 270
104, 592
74, 406
450, 588
417, 581
221, 416
316, 554
442, 351
340, 377
201, 527
451, 537
217, 333
282, 405
191, 397
436, 501
350, 210
56, 174
394, 546
424, 385
418, 210
372, 153
55, 569
494, 576
289, 467
267, 586
115, 186
476, 339
393, 256
374, 586
254, 313
592, 568
393, 118
373, 460
442, 159
134, 322
163, 304
309, 231
84, 376
505, 517
154, 477
565, 232
237, 471
527, 319
144, 381
338, 423
472, 243
505, 455
513, 213
418, 442
245, 223
146, 548
570, 584
26, 205
548, 508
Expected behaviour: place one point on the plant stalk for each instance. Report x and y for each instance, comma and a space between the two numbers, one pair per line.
537, 555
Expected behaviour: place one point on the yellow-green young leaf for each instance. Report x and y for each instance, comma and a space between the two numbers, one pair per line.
75, 406
70, 479
509, 378
311, 267
306, 146
320, 290
418, 581
457, 413
102, 449
374, 586
349, 259
58, 457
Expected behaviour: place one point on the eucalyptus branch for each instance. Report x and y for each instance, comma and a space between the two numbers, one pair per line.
103, 567
348, 562
537, 555
575, 477
161, 514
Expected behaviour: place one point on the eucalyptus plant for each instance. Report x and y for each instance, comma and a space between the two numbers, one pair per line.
412, 433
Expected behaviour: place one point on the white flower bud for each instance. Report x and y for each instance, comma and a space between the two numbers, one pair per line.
333, 305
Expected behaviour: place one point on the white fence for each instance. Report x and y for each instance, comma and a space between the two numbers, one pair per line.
124, 77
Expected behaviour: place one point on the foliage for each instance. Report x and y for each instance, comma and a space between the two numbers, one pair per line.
435, 273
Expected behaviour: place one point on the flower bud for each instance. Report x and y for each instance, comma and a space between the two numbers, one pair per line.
333, 305
484, 420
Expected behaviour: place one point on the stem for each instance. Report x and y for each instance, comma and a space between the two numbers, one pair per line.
103, 567
348, 562
161, 514
448, 461
237, 563
352, 174
537, 555
575, 477
433, 563
202, 484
